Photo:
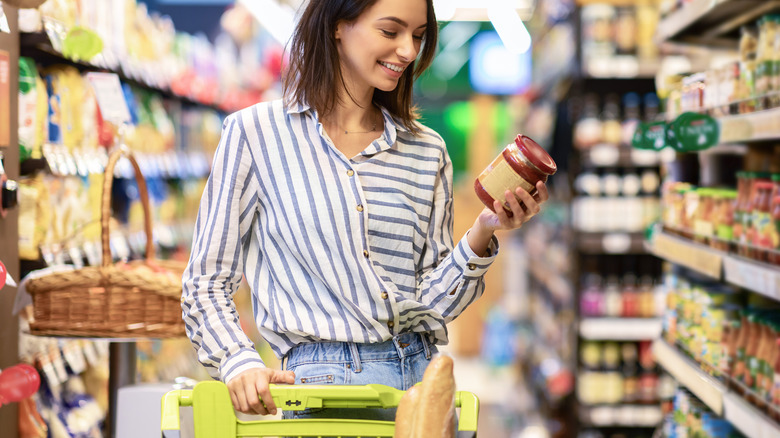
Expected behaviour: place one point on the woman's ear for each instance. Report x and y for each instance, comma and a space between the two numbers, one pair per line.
337, 32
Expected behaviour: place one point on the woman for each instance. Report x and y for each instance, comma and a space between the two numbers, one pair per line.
337, 207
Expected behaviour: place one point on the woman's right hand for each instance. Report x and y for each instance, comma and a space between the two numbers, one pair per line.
250, 387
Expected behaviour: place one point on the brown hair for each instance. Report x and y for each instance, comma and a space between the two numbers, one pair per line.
314, 69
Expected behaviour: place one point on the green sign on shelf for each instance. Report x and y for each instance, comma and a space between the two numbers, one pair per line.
693, 132
689, 132
650, 136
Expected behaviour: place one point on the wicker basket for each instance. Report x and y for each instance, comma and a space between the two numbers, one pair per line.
140, 299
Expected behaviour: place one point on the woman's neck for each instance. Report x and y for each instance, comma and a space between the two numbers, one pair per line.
358, 115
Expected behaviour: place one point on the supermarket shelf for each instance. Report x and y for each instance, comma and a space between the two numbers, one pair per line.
620, 329
758, 277
621, 415
747, 418
610, 155
621, 67
760, 125
731, 406
692, 255
689, 374
761, 278
611, 243
39, 47
711, 22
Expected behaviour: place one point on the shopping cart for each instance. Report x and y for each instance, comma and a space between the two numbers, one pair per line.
214, 416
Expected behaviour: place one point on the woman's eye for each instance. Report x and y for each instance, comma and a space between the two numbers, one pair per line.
418, 37
389, 33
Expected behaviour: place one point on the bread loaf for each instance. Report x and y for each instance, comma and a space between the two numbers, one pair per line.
405, 414
437, 400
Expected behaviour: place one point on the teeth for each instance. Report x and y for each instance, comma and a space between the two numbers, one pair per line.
392, 67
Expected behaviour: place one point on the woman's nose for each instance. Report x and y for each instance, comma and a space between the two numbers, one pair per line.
407, 51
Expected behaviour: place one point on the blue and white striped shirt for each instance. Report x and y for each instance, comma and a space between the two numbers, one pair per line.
333, 248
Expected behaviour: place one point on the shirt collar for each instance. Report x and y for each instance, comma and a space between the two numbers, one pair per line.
298, 107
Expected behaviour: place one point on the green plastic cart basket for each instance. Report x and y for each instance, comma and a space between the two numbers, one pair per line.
214, 416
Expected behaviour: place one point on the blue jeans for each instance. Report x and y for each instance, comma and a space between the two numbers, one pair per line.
399, 362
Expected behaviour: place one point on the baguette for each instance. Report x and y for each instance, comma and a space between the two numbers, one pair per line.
405, 414
437, 400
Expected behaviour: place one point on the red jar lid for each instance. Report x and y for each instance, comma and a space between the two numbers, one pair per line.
536, 154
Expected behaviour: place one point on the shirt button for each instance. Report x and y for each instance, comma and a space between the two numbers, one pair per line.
359, 207
384, 295
365, 254
390, 324
471, 266
350, 172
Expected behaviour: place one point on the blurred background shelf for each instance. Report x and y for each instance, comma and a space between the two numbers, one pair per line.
711, 22
620, 329
707, 388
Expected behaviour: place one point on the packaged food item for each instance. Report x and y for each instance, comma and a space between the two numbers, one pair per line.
724, 219
767, 28
762, 225
748, 45
522, 163
774, 254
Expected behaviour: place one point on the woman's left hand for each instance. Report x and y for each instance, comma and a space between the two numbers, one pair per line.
521, 213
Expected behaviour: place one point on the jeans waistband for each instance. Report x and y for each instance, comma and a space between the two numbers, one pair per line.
400, 346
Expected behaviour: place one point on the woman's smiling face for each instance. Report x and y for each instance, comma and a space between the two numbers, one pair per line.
376, 49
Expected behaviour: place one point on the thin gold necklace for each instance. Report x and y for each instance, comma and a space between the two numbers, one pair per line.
373, 128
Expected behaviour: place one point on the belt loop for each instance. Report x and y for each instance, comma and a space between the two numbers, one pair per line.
398, 348
284, 361
356, 364
426, 346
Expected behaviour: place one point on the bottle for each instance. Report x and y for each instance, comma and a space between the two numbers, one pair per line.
592, 300
611, 127
630, 297
630, 371
587, 130
613, 379
630, 117
651, 107
647, 307
613, 300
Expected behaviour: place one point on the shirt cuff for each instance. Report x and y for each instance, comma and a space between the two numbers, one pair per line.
237, 363
471, 264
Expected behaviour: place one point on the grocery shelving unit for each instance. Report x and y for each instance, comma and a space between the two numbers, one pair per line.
620, 329
601, 248
758, 277
122, 352
713, 25
711, 22
714, 393
9, 250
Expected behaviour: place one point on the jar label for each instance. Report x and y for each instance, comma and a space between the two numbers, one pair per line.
500, 178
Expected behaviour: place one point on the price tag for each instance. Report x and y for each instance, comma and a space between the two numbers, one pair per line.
111, 99
604, 154
757, 278
616, 243
741, 415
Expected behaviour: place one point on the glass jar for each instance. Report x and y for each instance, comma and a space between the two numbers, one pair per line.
724, 229
521, 164
762, 223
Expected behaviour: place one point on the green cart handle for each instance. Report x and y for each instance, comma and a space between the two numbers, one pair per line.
214, 415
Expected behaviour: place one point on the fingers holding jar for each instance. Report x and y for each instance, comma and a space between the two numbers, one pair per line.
521, 205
